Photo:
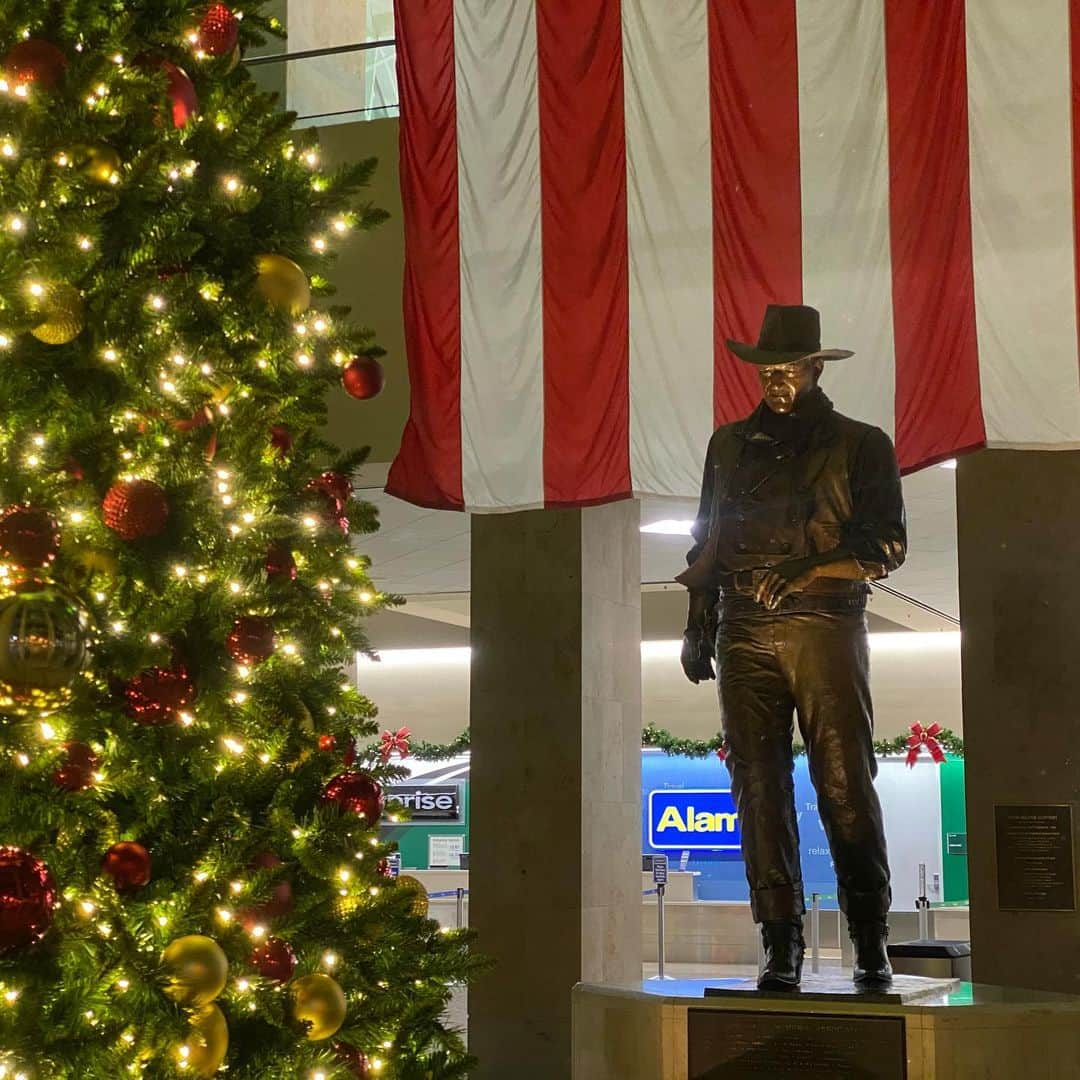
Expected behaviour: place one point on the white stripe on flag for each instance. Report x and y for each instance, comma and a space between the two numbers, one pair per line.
502, 375
844, 159
1022, 219
669, 211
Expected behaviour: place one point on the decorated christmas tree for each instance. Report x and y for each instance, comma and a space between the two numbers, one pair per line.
191, 877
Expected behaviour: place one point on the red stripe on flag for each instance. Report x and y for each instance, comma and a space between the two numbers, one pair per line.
427, 469
757, 201
938, 406
585, 267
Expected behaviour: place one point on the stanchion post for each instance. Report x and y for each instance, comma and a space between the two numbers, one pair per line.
460, 907
660, 949
923, 905
815, 932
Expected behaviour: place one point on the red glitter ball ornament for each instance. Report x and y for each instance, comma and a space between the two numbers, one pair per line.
182, 96
27, 898
281, 439
135, 509
354, 1059
128, 864
356, 793
274, 959
156, 696
280, 562
77, 771
35, 60
219, 30
280, 901
337, 485
29, 537
251, 640
363, 377
327, 743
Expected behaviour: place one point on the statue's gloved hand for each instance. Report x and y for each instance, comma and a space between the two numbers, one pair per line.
785, 580
697, 655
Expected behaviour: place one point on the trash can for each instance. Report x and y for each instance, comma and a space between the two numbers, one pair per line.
932, 959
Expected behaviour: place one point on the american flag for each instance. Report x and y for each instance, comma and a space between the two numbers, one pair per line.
598, 193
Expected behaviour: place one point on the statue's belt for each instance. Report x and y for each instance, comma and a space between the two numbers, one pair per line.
745, 582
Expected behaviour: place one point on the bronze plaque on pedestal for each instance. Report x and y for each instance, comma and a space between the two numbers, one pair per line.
1035, 858
754, 1045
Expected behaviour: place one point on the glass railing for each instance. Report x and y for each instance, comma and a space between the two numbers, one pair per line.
334, 84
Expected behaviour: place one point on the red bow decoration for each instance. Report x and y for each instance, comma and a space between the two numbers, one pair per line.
721, 753
395, 741
921, 737
200, 418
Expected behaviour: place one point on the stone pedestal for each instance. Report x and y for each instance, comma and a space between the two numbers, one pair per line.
1018, 519
555, 863
669, 1031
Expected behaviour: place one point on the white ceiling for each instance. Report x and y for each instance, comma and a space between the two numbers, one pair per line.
425, 553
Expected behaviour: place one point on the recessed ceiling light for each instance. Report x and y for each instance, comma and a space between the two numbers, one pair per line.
668, 527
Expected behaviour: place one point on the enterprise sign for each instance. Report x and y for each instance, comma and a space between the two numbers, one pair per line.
427, 802
695, 819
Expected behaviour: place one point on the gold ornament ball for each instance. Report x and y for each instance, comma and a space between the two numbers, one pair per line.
205, 1048
197, 969
44, 644
99, 163
320, 1001
283, 283
61, 310
420, 899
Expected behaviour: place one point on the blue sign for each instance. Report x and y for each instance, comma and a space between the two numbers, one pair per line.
671, 782
693, 819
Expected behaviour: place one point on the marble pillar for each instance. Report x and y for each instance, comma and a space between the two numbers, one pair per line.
555, 869
1018, 518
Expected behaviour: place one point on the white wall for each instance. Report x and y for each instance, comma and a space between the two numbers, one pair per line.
428, 690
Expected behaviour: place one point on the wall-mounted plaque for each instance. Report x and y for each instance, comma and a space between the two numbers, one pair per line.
1035, 858
754, 1045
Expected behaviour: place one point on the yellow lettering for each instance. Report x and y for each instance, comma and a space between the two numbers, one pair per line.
670, 819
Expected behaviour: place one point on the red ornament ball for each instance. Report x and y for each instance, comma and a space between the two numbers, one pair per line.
35, 60
281, 439
251, 640
135, 509
327, 743
181, 90
280, 563
354, 1059
128, 864
219, 30
157, 695
274, 959
356, 793
77, 771
334, 484
382, 868
362, 377
29, 536
27, 898
280, 901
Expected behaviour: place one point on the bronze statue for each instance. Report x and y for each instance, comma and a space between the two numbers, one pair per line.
800, 509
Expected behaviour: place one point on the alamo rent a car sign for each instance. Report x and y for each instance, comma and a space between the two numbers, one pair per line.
688, 819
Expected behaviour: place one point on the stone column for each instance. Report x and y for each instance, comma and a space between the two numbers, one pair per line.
1018, 518
555, 831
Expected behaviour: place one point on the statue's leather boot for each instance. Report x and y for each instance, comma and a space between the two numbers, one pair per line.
784, 947
872, 967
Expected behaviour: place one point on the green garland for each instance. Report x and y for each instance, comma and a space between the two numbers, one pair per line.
657, 738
